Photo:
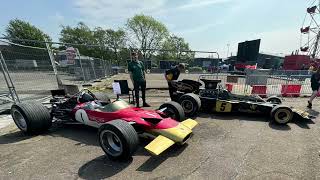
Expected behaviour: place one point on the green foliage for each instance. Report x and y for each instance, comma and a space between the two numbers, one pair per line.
146, 33
81, 34
177, 48
107, 43
141, 32
19, 29
116, 40
195, 69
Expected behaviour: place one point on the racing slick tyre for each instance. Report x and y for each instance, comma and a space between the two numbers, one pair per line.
102, 97
118, 139
281, 114
274, 100
173, 110
190, 103
31, 118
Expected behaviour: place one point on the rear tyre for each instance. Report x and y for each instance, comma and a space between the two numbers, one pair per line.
190, 103
274, 100
281, 114
118, 139
31, 118
173, 110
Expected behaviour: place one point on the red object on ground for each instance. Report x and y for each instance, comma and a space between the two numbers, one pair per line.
229, 87
296, 62
290, 90
260, 90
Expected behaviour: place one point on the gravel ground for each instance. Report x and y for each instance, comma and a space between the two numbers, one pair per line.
223, 147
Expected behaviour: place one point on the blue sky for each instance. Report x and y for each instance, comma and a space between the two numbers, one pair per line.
206, 24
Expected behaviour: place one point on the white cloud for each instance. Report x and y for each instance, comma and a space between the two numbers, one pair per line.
201, 3
104, 10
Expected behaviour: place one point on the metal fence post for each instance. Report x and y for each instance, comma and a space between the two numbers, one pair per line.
53, 64
103, 66
83, 75
8, 80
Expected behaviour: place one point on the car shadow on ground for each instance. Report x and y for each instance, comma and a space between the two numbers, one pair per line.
154, 161
101, 168
80, 133
14, 137
302, 123
83, 135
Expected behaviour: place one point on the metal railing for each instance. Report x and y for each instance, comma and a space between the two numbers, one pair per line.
35, 71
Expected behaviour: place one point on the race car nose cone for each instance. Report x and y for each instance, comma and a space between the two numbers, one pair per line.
178, 134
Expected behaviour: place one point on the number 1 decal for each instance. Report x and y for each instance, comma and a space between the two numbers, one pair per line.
82, 116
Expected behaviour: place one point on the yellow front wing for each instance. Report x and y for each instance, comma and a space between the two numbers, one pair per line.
159, 144
167, 137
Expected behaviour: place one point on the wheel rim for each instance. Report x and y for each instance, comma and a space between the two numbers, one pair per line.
20, 120
111, 143
171, 113
283, 115
187, 106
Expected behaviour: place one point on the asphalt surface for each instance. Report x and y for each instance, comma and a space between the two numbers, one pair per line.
223, 147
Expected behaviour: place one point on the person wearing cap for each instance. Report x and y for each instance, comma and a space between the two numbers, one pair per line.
138, 78
315, 84
172, 75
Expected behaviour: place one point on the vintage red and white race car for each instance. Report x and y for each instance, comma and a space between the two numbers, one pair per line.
119, 123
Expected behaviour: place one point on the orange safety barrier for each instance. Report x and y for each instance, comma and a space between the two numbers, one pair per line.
260, 90
291, 90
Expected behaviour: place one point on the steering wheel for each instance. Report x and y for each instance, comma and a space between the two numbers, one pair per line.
81, 93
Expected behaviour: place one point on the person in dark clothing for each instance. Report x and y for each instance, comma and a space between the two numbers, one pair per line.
315, 84
138, 78
172, 75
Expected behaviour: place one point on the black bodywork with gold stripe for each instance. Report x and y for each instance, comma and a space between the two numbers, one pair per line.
219, 100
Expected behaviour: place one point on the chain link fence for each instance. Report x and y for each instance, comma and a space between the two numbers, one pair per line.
35, 71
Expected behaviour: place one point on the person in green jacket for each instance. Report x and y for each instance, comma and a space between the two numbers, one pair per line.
138, 78
315, 84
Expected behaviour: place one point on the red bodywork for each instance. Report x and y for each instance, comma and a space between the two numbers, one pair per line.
129, 114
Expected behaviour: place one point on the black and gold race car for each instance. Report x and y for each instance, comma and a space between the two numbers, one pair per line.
214, 98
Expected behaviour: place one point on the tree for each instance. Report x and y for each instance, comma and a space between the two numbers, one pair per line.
116, 40
19, 29
104, 42
177, 48
81, 34
146, 33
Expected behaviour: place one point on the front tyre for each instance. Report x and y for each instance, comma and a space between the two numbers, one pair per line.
31, 118
118, 139
190, 103
281, 114
173, 110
